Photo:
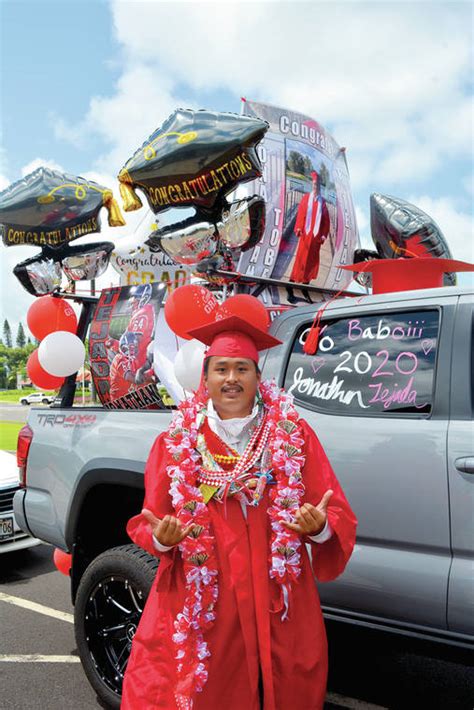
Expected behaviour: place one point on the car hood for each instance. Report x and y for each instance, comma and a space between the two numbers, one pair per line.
8, 470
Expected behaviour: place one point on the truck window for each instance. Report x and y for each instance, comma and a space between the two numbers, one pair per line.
368, 365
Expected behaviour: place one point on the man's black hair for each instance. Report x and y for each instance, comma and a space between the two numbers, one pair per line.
206, 366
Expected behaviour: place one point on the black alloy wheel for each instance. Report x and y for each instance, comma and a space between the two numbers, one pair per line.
110, 600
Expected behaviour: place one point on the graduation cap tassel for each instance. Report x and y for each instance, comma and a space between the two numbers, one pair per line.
312, 339
311, 343
131, 201
115, 218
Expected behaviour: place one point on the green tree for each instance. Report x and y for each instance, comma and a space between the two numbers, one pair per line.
308, 166
296, 162
20, 337
7, 334
324, 175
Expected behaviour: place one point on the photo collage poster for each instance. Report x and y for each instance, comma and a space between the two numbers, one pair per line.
121, 344
311, 229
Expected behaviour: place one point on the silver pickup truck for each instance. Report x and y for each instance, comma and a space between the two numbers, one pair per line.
390, 394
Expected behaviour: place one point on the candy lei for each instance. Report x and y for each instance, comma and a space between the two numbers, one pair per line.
198, 549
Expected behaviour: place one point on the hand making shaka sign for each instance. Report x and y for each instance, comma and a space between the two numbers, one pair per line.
169, 531
310, 519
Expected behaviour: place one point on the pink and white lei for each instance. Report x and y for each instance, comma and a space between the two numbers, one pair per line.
198, 549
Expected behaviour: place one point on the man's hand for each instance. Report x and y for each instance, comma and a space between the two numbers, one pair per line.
311, 519
169, 531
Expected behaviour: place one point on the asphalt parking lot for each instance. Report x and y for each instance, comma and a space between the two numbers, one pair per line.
39, 666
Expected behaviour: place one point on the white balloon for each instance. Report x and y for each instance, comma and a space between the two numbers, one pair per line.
188, 364
61, 353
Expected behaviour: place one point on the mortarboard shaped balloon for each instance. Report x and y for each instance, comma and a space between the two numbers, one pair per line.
39, 275
49, 208
194, 159
242, 223
186, 242
391, 275
400, 229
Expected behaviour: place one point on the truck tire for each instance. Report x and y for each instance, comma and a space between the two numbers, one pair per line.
109, 603
24, 402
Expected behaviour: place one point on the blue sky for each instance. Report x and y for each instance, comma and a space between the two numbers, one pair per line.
84, 83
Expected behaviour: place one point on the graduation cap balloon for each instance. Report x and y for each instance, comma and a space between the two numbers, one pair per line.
194, 159
400, 229
50, 208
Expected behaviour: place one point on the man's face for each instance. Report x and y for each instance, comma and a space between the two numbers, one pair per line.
232, 385
134, 303
315, 184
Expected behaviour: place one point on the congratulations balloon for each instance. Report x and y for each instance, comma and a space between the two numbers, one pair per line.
188, 242
84, 262
39, 275
49, 208
242, 223
195, 158
400, 229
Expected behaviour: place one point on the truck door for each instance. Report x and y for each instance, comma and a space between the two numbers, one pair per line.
377, 395
461, 472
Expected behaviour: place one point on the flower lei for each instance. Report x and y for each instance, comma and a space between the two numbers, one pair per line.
198, 548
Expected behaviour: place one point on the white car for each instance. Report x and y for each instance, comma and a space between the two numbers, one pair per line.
37, 398
11, 537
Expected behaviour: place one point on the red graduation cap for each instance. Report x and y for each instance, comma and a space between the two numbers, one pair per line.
408, 274
234, 337
314, 174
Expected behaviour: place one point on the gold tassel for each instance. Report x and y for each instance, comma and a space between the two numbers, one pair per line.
115, 216
130, 199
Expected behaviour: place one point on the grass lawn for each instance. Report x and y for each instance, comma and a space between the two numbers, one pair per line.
9, 434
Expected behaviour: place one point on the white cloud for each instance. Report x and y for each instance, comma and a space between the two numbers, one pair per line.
388, 78
143, 99
457, 226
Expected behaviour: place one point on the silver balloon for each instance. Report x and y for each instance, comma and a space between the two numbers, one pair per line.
188, 242
242, 223
86, 261
39, 275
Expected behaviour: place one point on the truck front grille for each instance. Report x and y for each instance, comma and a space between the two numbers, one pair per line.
6, 498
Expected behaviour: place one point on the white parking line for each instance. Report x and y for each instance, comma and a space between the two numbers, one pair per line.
39, 608
37, 658
352, 703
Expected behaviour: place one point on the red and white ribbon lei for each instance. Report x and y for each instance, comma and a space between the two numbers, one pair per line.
198, 549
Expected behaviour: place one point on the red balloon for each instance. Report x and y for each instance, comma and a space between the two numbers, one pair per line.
40, 377
62, 560
247, 307
48, 314
190, 307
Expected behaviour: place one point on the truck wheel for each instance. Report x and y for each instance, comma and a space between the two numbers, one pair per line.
45, 401
109, 603
24, 401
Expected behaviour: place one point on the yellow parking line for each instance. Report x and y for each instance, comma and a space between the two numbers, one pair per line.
39, 608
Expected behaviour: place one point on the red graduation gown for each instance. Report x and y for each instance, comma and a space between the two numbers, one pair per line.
248, 633
306, 265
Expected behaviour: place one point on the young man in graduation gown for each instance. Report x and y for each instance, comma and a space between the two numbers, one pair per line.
235, 489
312, 229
